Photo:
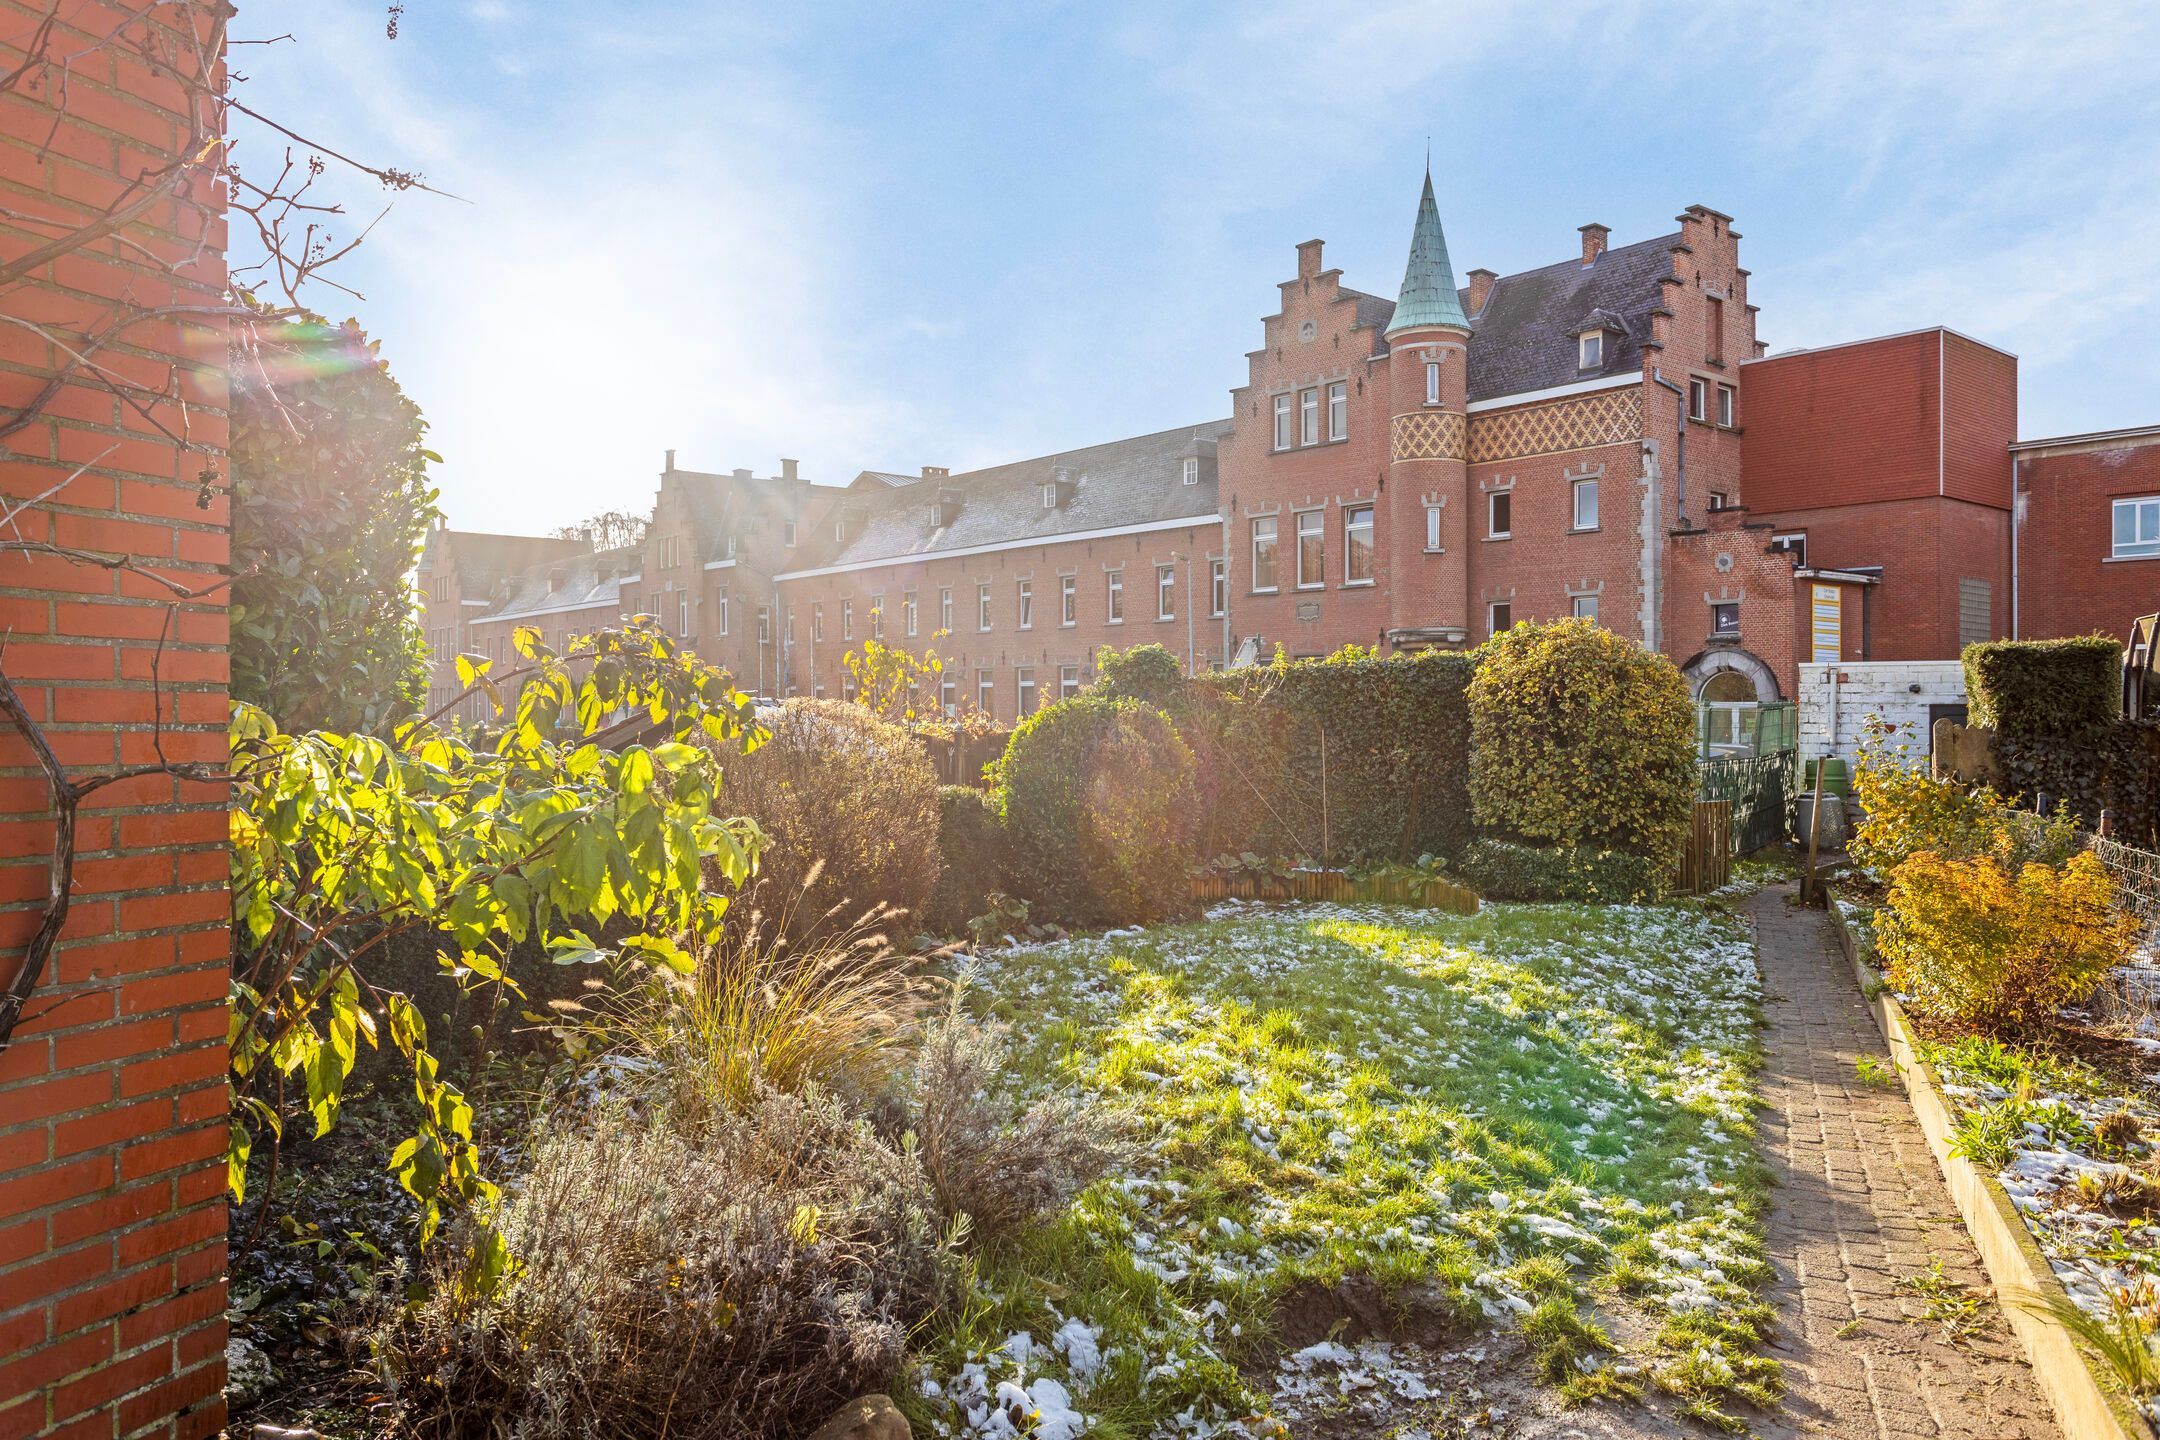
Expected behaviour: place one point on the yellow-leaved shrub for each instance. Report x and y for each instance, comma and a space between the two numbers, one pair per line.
1986, 942
1905, 809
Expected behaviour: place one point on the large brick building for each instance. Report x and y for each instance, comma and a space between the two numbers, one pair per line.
1602, 437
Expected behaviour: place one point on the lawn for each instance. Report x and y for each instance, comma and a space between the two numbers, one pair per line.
1369, 1143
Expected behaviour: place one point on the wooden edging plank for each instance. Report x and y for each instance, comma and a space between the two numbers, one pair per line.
2086, 1405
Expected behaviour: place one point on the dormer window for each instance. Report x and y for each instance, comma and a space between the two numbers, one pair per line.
787, 534
1192, 470
1590, 350
1050, 497
839, 531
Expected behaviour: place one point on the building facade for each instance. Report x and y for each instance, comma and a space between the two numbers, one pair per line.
1602, 437
2087, 557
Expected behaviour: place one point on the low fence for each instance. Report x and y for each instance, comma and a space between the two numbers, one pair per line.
1431, 892
1755, 787
1706, 861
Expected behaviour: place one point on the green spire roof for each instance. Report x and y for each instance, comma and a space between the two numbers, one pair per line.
1428, 283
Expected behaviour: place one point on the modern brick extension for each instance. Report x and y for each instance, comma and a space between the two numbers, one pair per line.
112, 1095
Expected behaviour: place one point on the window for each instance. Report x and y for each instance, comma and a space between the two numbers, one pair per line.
907, 611
1069, 599
1311, 549
1338, 411
877, 615
787, 534
944, 609
1282, 422
1499, 616
1192, 470
1308, 417
1586, 505
839, 530
1714, 331
1717, 499
764, 625
1050, 496
1794, 544
2137, 528
1432, 528
1725, 398
1725, 618
1432, 382
986, 692
682, 615
1068, 681
1729, 713
1116, 614
1218, 589
1976, 613
1357, 545
847, 688
1499, 514
948, 694
1263, 553
442, 587
1027, 604
817, 622
1024, 688
1698, 400
847, 619
1166, 592
982, 605
722, 617
1590, 350
1585, 608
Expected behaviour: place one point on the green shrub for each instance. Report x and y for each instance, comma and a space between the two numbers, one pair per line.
1147, 673
1502, 870
971, 851
1581, 739
1906, 809
1096, 798
850, 804
2037, 689
1350, 759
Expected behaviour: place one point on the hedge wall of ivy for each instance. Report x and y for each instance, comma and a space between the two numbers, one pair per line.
2039, 689
1503, 870
971, 852
1390, 738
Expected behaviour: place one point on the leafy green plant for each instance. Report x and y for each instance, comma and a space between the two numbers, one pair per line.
971, 859
1006, 918
341, 843
1989, 1138
2126, 1338
1508, 871
1875, 1071
1946, 1303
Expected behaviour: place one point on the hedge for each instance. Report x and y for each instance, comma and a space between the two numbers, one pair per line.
1389, 738
1503, 870
1096, 798
2045, 689
971, 847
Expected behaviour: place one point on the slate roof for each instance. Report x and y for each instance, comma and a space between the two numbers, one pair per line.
482, 559
1123, 482
1524, 338
1428, 294
593, 577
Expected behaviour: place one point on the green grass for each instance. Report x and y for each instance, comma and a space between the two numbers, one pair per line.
1524, 1120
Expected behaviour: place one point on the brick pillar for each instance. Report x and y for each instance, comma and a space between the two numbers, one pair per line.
112, 1098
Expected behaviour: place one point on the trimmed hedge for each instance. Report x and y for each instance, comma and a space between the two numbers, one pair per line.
1503, 870
1391, 737
971, 844
2116, 769
1583, 740
2045, 689
1096, 798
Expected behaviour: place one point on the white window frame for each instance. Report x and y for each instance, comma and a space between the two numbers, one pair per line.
1794, 542
682, 615
948, 694
1166, 592
1024, 690
1588, 485
908, 611
1317, 531
1432, 530
944, 603
787, 533
1728, 400
1068, 681
1576, 604
817, 621
764, 625
1492, 508
1192, 470
1590, 350
1068, 601
1218, 589
1274, 540
1698, 398
1353, 527
982, 606
839, 531
847, 620
1338, 410
1308, 405
1283, 421
1492, 616
1027, 604
2138, 508
1114, 609
1432, 382
723, 615
877, 614
986, 692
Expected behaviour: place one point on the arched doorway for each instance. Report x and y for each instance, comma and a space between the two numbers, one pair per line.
1729, 711
1732, 686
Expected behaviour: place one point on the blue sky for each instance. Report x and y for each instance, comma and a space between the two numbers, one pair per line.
883, 236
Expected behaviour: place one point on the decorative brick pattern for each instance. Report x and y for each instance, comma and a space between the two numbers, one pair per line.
1426, 435
1605, 418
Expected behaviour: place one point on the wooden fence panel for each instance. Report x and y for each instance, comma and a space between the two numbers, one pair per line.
1706, 863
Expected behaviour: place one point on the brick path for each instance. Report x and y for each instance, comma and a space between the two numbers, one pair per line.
1860, 1205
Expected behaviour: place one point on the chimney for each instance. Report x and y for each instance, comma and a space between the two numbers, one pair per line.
1593, 240
1480, 287
741, 474
787, 469
935, 472
1308, 259
671, 459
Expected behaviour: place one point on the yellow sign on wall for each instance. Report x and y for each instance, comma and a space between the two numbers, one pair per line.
1829, 623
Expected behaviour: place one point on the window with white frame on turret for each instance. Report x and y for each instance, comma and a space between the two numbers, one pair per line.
1338, 411
1357, 545
1432, 529
1432, 382
1282, 422
1263, 553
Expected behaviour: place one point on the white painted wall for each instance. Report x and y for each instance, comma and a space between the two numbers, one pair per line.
1836, 700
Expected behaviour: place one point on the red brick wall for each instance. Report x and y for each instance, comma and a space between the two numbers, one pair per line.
1844, 425
1979, 421
2067, 584
112, 1096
